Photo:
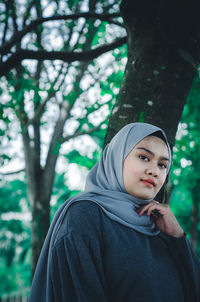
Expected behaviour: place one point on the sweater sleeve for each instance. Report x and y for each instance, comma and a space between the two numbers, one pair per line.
77, 272
188, 266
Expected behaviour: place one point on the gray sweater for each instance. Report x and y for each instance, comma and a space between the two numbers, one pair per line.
95, 259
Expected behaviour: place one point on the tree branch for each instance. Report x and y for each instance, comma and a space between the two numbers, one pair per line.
79, 133
39, 111
188, 58
37, 100
27, 12
54, 147
20, 34
15, 59
12, 172
14, 17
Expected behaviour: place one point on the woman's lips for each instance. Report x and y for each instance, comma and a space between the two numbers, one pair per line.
148, 183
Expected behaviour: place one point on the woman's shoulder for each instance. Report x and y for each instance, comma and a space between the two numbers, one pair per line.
84, 211
82, 218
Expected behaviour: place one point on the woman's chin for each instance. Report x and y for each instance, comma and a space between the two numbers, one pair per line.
143, 196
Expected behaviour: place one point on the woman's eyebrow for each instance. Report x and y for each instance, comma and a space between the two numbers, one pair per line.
150, 152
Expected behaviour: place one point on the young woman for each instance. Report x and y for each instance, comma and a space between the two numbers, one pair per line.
114, 242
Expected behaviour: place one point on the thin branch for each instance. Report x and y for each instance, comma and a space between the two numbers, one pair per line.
108, 7
79, 133
5, 31
12, 173
54, 147
36, 123
189, 59
42, 105
20, 34
15, 59
71, 26
4, 37
5, 28
27, 12
14, 17
80, 32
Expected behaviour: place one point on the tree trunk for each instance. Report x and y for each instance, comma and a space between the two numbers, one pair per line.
39, 197
162, 44
40, 223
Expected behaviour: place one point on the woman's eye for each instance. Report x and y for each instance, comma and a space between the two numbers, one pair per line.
144, 158
163, 166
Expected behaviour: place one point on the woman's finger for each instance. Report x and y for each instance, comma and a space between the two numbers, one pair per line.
143, 209
152, 206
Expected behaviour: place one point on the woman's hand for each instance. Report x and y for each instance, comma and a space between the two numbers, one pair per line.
163, 218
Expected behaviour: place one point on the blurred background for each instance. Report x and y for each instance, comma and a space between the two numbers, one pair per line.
54, 115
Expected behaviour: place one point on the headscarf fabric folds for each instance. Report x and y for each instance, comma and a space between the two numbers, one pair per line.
104, 186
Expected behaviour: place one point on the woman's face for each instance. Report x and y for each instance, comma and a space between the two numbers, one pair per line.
145, 168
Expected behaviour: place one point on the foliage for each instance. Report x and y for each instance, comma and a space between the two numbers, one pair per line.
14, 236
185, 170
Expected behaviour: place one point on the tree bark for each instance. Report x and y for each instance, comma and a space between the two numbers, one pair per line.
40, 223
163, 46
38, 197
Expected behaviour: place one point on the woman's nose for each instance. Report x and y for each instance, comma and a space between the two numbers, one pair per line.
153, 170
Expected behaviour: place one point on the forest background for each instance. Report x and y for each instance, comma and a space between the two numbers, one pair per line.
62, 65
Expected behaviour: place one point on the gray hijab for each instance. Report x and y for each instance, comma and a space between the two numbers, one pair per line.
104, 186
